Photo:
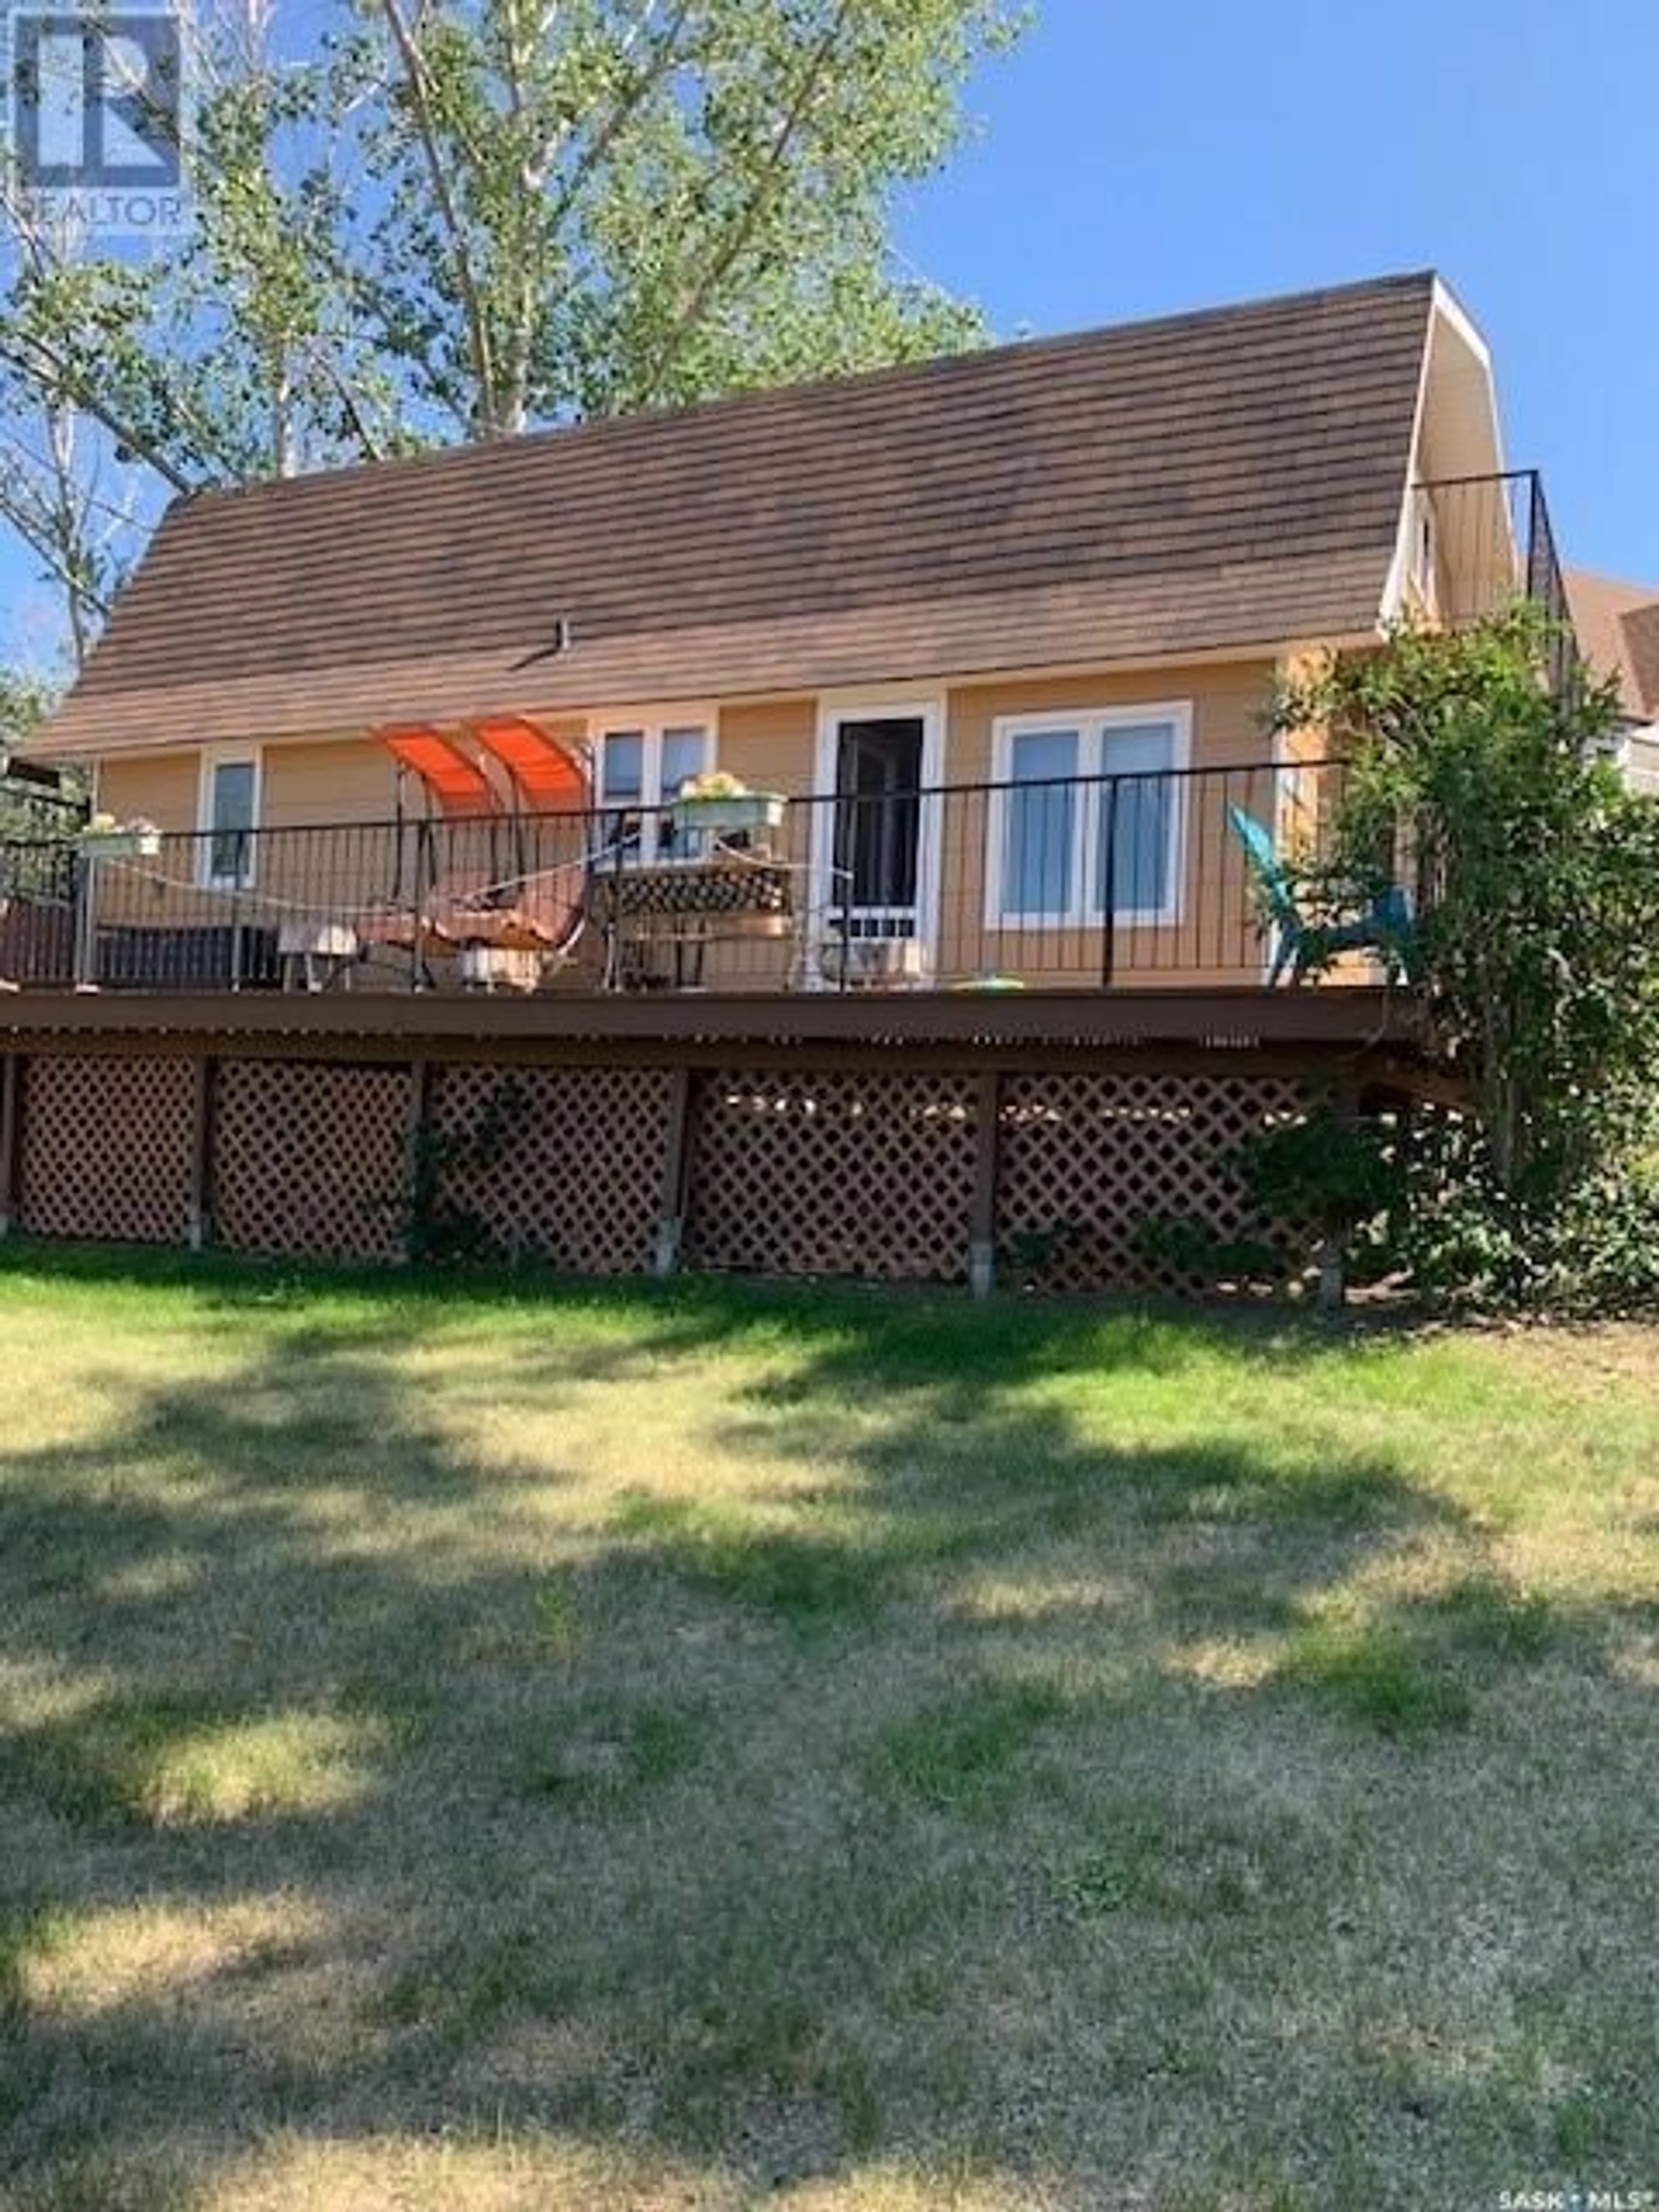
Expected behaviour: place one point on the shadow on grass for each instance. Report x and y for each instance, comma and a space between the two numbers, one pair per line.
746, 1832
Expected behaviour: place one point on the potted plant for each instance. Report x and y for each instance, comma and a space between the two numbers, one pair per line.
721, 802
103, 838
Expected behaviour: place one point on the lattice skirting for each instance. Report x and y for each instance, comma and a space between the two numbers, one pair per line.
562, 1164
865, 1174
879, 1172
309, 1158
105, 1149
1086, 1159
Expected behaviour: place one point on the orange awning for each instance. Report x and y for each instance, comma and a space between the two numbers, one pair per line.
548, 777
458, 785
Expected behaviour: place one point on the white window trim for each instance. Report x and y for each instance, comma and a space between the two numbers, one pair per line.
649, 724
214, 757
834, 710
1093, 726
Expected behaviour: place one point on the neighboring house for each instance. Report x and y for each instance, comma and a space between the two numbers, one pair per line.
1049, 587
987, 980
1617, 626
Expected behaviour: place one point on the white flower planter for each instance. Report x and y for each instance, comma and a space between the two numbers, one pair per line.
743, 810
119, 844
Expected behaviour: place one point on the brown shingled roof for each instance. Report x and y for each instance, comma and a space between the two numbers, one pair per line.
1618, 629
1641, 629
1206, 481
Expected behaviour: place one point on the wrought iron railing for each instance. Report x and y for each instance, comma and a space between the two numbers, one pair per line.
1478, 544
1093, 882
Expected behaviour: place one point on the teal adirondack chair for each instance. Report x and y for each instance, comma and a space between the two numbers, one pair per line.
1384, 925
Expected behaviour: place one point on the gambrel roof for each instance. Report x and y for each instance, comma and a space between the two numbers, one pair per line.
1205, 482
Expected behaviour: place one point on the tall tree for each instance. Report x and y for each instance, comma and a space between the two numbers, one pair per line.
457, 219
26, 697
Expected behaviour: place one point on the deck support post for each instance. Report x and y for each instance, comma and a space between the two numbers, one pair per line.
670, 1216
11, 1136
987, 1142
199, 1224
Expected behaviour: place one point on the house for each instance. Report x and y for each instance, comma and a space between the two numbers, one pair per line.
1617, 626
981, 653
1052, 565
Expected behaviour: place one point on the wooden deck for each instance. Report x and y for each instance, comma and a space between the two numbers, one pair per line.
1336, 1019
906, 1135
1365, 1040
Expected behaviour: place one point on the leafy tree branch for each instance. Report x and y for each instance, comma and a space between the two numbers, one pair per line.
412, 220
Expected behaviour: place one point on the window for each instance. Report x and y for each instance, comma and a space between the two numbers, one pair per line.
1040, 840
1087, 815
640, 772
228, 819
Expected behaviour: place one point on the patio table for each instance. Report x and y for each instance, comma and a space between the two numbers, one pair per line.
689, 904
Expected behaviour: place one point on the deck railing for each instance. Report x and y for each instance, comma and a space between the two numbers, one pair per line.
1078, 882
1480, 543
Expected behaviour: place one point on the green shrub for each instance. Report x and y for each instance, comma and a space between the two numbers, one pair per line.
1474, 776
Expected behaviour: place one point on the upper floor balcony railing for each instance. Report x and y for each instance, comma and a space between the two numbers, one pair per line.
1478, 544
1108, 881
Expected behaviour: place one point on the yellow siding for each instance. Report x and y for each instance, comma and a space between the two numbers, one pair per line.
770, 745
1207, 944
300, 784
1312, 741
1303, 800
343, 782
1228, 705
161, 787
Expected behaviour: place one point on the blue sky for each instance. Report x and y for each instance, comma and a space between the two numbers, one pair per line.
1140, 156
1136, 156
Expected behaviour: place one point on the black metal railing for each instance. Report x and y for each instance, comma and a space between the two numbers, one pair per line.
1085, 882
1478, 544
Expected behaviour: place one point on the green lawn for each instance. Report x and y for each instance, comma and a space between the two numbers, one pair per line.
696, 1747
